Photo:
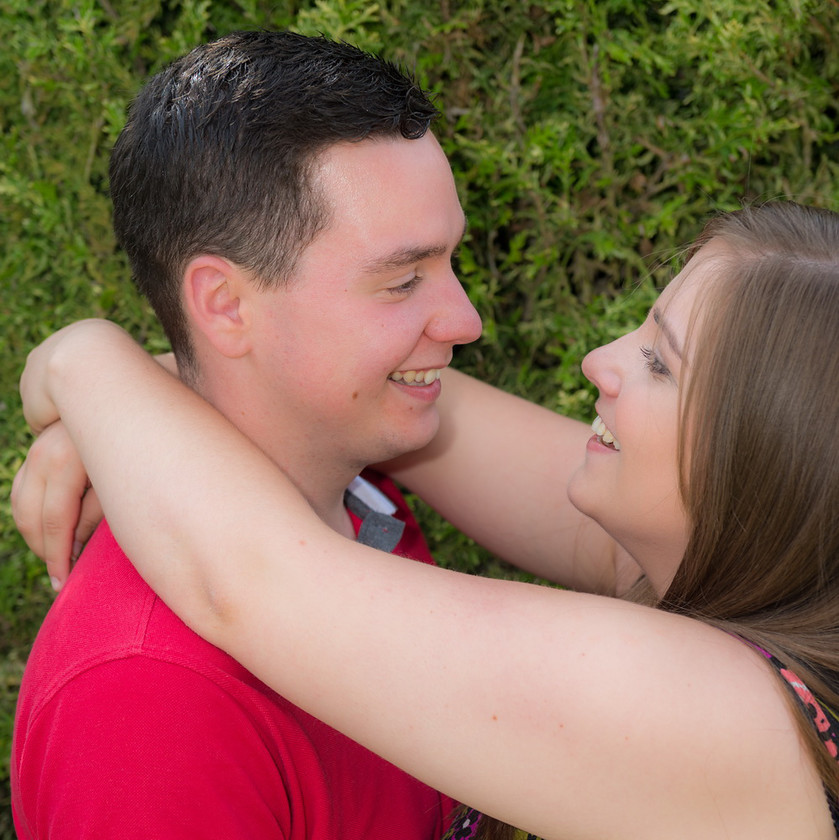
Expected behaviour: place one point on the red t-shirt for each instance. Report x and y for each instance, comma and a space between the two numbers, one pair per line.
129, 725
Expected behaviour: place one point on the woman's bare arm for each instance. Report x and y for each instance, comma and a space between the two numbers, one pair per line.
570, 715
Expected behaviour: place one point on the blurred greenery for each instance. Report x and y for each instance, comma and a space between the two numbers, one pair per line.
590, 138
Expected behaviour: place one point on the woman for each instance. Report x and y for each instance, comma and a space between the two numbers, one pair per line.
700, 710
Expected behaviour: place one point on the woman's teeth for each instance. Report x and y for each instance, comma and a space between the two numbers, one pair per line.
416, 377
603, 434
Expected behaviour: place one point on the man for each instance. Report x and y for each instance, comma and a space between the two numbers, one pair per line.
292, 221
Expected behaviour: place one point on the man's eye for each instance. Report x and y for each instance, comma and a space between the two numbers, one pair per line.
405, 287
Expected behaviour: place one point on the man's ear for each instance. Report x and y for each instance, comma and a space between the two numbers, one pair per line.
214, 290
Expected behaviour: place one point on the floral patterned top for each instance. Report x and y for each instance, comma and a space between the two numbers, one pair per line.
824, 719
465, 827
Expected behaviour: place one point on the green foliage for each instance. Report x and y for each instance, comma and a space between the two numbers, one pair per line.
589, 138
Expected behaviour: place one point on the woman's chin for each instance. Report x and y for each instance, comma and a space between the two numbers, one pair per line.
581, 493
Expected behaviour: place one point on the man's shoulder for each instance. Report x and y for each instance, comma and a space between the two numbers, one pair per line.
139, 731
104, 604
107, 613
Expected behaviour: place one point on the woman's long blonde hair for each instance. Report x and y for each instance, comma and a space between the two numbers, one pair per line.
759, 448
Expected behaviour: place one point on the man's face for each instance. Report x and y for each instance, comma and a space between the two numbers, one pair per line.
349, 350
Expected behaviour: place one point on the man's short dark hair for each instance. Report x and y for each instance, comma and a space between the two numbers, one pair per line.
217, 155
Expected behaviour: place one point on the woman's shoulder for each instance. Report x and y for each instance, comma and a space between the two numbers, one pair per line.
691, 729
731, 731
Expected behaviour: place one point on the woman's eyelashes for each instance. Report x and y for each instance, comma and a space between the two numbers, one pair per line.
654, 364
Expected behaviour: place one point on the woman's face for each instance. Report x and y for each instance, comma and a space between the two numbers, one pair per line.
629, 481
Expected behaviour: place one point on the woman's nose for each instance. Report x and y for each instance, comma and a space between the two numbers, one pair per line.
601, 368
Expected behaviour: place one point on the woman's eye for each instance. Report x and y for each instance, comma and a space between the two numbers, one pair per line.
654, 363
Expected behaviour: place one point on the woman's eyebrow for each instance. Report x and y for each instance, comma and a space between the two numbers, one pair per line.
667, 332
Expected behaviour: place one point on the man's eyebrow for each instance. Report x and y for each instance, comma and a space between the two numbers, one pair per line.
667, 332
408, 256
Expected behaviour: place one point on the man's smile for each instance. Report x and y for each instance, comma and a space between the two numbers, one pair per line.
416, 377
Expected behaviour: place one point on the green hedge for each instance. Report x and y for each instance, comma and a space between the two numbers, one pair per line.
590, 138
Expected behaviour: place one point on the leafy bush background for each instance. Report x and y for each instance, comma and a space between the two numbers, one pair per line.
589, 139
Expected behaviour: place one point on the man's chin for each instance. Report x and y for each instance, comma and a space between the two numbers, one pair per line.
411, 440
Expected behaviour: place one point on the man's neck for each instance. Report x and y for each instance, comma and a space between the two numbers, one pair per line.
317, 471
322, 484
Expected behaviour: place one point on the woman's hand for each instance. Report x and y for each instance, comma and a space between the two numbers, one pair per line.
53, 505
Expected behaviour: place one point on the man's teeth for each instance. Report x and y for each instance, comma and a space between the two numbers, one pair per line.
416, 377
605, 436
